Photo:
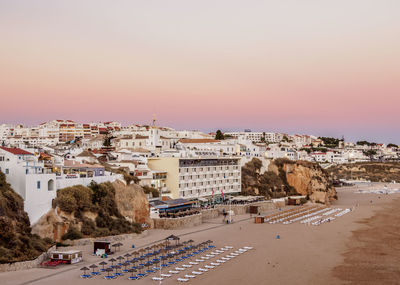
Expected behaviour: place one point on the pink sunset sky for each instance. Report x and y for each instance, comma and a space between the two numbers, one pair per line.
328, 68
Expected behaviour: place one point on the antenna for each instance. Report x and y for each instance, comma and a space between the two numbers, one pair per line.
154, 120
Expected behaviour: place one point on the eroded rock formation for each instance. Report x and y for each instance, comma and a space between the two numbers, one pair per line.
112, 208
285, 177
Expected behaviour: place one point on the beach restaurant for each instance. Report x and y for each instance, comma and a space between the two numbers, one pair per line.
68, 257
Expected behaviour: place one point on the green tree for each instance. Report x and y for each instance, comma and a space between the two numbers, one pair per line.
219, 135
370, 153
263, 137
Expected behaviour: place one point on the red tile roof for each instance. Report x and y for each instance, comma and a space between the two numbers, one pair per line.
16, 151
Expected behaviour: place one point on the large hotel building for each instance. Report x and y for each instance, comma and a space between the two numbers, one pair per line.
199, 177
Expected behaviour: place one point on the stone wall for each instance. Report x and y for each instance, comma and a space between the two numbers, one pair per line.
245, 209
112, 239
209, 214
26, 264
176, 223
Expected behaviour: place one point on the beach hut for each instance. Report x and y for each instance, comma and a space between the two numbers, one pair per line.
101, 246
68, 257
259, 219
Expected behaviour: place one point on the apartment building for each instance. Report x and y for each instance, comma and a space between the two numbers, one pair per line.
208, 145
199, 177
256, 136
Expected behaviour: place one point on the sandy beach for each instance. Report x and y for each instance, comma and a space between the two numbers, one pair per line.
332, 253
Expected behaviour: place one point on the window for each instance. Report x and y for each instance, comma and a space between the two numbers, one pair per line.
7, 171
1, 158
38, 184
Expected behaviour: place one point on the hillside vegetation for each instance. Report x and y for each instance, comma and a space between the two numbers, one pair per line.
17, 243
286, 178
99, 201
373, 171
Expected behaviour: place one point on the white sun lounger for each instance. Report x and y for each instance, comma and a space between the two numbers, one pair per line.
247, 247
205, 257
221, 261
157, 278
166, 275
230, 256
209, 255
225, 258
187, 265
173, 272
203, 269
182, 280
228, 247
199, 260
209, 266
197, 272
190, 276
193, 263
214, 264
234, 254
179, 268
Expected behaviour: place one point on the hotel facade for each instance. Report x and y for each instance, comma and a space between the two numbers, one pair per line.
199, 177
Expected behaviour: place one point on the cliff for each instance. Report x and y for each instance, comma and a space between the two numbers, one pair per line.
285, 178
17, 243
372, 171
98, 210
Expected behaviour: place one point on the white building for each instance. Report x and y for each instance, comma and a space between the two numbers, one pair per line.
281, 151
199, 177
218, 147
37, 185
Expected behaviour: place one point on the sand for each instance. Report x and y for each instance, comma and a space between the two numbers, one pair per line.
303, 255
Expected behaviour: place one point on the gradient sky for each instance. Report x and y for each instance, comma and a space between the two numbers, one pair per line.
323, 67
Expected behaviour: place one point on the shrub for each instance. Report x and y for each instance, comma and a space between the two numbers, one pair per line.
101, 232
72, 234
88, 227
154, 192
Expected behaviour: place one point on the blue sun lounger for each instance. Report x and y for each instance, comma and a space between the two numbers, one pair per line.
85, 276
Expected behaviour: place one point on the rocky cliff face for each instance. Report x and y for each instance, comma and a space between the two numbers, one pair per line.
310, 179
285, 178
112, 208
132, 202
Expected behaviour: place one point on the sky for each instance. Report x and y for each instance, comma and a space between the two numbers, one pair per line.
329, 68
